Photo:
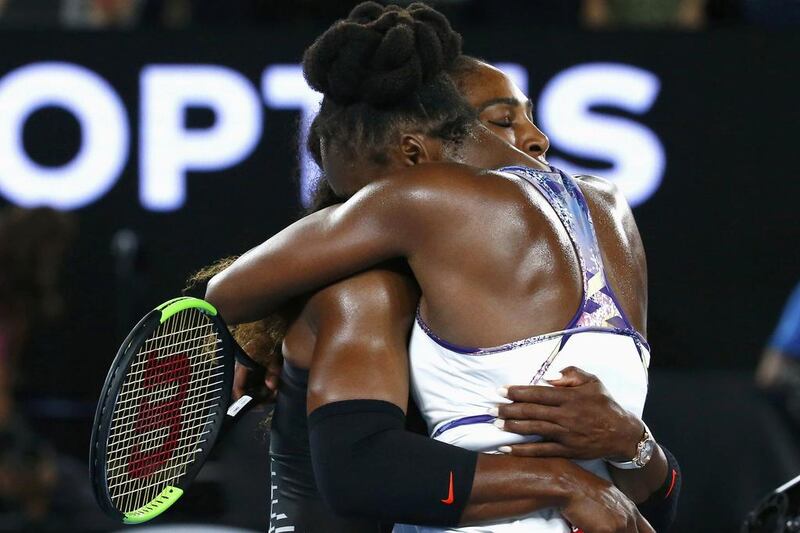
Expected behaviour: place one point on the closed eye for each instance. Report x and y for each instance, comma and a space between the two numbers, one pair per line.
505, 123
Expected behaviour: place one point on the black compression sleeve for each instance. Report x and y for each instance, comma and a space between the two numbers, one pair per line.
366, 463
660, 508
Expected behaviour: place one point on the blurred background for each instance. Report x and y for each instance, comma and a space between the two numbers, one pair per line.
142, 139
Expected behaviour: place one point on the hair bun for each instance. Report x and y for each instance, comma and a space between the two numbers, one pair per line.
381, 55
365, 12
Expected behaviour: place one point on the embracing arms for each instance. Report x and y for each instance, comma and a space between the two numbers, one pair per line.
579, 419
374, 225
389, 218
366, 463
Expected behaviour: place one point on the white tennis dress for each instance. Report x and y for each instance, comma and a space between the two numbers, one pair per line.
455, 386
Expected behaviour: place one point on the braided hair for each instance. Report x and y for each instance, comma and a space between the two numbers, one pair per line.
380, 69
383, 69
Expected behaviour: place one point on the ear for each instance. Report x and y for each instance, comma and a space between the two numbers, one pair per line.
416, 148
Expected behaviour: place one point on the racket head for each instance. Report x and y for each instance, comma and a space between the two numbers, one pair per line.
161, 408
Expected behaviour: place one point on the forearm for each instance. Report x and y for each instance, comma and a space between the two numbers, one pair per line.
506, 486
259, 281
640, 484
661, 507
311, 253
375, 468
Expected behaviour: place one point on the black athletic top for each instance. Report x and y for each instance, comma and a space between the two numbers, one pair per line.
296, 502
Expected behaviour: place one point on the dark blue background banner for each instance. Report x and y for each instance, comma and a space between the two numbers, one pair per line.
185, 143
720, 229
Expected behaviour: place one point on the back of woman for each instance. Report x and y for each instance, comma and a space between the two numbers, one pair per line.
512, 273
490, 252
517, 291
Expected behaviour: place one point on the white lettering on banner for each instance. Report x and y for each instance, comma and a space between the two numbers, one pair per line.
284, 87
104, 127
168, 149
565, 114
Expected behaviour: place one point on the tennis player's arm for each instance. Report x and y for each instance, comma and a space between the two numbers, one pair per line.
661, 507
367, 464
376, 224
403, 216
390, 218
640, 484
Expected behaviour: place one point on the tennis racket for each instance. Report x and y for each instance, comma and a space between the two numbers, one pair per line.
162, 407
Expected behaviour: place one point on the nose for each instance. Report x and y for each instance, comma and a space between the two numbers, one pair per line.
534, 142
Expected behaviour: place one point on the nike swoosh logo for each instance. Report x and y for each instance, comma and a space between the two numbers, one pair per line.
449, 500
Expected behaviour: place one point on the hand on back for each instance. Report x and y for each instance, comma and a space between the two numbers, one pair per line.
577, 418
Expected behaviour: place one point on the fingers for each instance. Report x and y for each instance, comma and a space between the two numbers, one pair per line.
273, 376
572, 377
547, 430
240, 378
526, 411
538, 449
272, 381
536, 394
254, 383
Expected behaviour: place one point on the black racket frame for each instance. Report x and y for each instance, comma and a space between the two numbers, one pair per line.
231, 352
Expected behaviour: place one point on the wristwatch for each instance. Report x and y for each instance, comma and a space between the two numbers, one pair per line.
644, 452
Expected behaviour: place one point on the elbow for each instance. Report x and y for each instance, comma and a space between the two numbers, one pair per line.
216, 295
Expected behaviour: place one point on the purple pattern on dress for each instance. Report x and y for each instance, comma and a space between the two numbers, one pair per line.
467, 420
600, 308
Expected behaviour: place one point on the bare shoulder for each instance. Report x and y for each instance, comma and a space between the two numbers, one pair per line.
445, 183
601, 189
597, 183
607, 203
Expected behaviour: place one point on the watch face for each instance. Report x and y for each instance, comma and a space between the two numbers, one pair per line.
646, 452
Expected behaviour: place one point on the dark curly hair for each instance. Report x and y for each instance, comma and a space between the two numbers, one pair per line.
382, 69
